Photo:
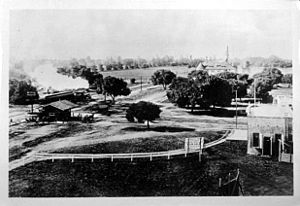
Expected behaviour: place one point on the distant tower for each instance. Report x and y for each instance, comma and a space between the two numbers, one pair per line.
227, 54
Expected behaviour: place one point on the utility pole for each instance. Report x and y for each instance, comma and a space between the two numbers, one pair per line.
235, 93
254, 90
236, 108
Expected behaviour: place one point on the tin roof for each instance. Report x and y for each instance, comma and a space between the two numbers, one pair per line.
62, 105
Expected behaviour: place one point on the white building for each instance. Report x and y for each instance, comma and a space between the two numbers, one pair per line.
270, 131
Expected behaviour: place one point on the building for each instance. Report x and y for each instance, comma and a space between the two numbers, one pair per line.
270, 131
216, 67
282, 96
56, 111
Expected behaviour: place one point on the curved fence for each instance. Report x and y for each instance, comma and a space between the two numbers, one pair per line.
131, 156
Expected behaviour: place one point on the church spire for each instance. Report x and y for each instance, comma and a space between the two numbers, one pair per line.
227, 54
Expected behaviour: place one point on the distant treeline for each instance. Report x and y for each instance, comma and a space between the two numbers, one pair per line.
129, 63
272, 61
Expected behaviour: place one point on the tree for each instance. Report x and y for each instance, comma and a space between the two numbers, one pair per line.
273, 74
198, 75
218, 92
262, 87
143, 111
287, 78
200, 89
236, 81
113, 87
180, 92
227, 75
18, 92
163, 77
264, 82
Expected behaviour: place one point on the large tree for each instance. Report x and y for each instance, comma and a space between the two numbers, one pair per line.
163, 77
143, 111
199, 76
272, 74
264, 81
18, 92
200, 89
218, 92
237, 82
183, 92
262, 87
113, 87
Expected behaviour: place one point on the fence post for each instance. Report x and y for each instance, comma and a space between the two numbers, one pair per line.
92, 158
200, 152
279, 151
151, 157
168, 155
72, 158
229, 183
220, 186
186, 145
131, 157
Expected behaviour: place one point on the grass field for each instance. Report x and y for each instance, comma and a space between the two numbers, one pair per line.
179, 176
147, 72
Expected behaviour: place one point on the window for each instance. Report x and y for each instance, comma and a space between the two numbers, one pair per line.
51, 114
255, 140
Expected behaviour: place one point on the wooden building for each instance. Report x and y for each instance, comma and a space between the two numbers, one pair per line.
56, 111
270, 131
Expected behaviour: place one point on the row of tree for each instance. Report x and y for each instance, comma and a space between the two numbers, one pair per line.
129, 63
200, 89
204, 90
109, 85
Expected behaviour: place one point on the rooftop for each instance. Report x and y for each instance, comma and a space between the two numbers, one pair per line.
62, 105
270, 110
212, 65
281, 91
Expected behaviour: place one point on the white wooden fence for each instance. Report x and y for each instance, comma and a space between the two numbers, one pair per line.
131, 156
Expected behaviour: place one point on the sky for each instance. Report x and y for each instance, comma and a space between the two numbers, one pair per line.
65, 34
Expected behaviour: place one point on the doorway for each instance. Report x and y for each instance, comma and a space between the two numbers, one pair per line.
275, 146
267, 146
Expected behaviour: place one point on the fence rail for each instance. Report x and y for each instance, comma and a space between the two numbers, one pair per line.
112, 156
150, 155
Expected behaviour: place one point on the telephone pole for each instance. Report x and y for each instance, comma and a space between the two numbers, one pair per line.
141, 83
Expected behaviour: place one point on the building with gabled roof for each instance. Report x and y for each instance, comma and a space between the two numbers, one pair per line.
57, 111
